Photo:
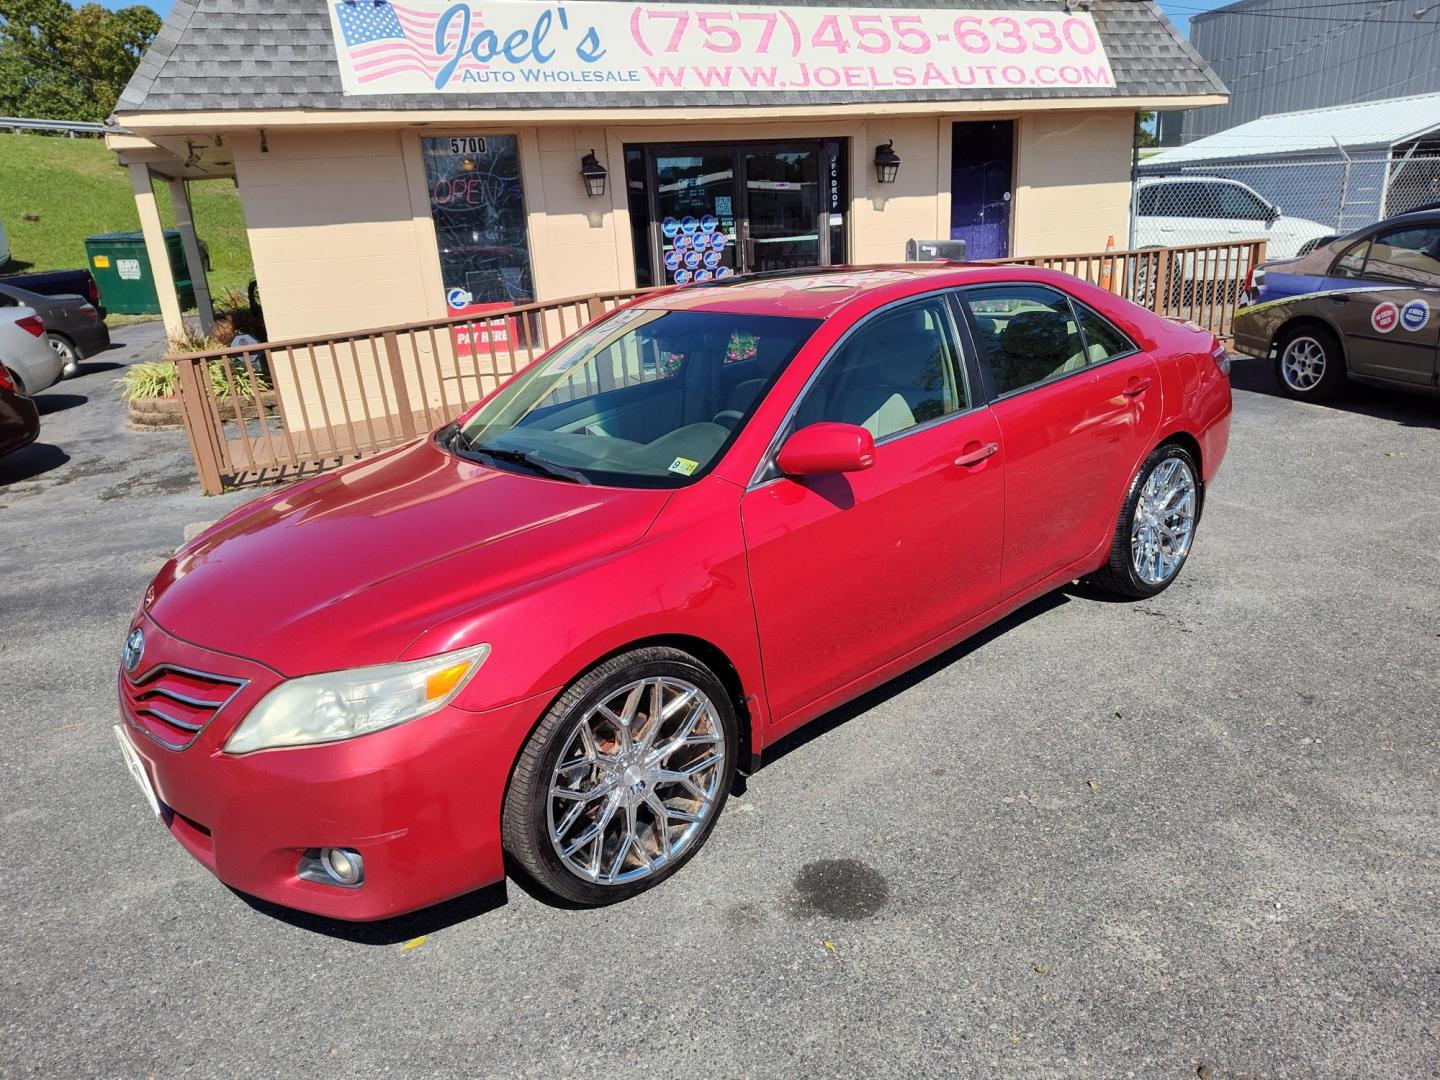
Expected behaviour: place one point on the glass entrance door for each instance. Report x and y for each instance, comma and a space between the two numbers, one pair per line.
782, 208
695, 231
719, 210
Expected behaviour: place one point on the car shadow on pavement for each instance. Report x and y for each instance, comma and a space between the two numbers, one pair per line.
388, 931
845, 713
95, 367
45, 404
34, 460
1397, 406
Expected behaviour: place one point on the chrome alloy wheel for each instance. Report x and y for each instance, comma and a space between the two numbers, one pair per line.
637, 779
1164, 522
1302, 365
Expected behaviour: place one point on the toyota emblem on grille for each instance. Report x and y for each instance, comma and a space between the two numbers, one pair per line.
134, 649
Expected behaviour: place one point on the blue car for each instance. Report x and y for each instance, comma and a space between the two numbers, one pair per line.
1366, 306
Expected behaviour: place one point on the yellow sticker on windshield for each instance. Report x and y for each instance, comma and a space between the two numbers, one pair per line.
684, 466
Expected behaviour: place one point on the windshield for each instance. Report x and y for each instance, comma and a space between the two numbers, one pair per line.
646, 398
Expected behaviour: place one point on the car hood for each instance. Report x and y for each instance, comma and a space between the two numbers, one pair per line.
350, 568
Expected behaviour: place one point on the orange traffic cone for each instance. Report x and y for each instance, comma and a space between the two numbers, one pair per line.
1107, 266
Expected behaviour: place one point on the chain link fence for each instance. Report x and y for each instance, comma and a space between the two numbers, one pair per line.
1294, 204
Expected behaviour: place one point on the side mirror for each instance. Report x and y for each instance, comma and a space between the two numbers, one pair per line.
1273, 215
827, 448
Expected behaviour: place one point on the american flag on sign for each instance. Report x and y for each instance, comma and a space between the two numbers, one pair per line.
387, 39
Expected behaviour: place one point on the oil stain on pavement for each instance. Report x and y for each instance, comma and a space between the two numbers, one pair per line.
840, 889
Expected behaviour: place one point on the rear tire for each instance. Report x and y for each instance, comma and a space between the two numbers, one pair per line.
1156, 527
646, 791
1309, 363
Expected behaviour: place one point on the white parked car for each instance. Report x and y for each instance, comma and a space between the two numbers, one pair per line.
1174, 211
26, 352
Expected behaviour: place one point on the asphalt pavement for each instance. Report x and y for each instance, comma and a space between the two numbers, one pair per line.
1197, 835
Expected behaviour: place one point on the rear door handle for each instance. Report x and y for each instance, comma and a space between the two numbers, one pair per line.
976, 454
1135, 387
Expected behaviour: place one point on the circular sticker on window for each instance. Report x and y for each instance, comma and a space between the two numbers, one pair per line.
708, 223
672, 260
688, 225
692, 259
718, 241
1384, 317
724, 272
682, 276
712, 259
1414, 315
682, 242
670, 226
703, 275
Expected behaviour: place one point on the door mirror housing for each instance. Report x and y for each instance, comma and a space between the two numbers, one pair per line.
1273, 215
824, 448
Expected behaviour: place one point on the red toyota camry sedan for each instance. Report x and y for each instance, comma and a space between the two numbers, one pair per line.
555, 628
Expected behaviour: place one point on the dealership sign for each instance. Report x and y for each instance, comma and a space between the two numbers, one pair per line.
512, 46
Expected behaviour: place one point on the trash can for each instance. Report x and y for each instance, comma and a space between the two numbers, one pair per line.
122, 271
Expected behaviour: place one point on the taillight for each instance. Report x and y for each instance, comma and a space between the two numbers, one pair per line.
1250, 280
1221, 356
94, 292
88, 310
31, 324
6, 383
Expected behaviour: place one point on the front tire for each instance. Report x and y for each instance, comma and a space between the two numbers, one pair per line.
1309, 363
623, 779
1156, 526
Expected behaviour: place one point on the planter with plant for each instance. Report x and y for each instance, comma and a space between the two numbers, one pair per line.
151, 394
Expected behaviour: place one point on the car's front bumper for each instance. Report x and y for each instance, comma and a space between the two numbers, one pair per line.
421, 802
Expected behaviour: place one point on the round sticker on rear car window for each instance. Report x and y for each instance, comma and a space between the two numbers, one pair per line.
1384, 317
1414, 315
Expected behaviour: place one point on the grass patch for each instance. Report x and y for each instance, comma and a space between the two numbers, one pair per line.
54, 192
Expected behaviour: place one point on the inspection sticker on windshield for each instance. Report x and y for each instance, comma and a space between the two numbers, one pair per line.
684, 466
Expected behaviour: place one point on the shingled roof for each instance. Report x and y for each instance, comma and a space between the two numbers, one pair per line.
231, 55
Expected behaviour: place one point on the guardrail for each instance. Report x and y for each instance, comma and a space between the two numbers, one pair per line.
287, 409
63, 127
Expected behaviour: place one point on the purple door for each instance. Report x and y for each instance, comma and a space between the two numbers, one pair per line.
980, 177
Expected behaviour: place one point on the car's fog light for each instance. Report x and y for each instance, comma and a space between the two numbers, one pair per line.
332, 866
342, 864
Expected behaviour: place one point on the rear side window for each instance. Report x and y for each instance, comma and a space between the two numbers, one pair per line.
1103, 341
1027, 333
1351, 263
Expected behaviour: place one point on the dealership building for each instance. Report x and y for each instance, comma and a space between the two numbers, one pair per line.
401, 162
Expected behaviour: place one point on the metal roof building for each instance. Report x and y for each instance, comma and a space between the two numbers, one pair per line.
1276, 56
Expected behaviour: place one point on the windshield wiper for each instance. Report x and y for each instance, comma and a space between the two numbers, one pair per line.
533, 461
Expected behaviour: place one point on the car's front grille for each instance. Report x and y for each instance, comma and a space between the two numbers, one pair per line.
172, 705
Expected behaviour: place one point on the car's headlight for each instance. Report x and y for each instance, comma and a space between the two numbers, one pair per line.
343, 704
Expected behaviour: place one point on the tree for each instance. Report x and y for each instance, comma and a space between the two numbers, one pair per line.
59, 62
1146, 133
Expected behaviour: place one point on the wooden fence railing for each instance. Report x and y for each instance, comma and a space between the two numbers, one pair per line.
335, 398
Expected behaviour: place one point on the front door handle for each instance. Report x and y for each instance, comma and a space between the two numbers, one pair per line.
1135, 387
1339, 298
975, 453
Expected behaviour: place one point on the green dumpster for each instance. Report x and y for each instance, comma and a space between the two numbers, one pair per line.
122, 271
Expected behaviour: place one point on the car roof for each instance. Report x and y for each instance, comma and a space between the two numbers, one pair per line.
818, 293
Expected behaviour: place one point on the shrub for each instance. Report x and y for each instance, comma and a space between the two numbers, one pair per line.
159, 378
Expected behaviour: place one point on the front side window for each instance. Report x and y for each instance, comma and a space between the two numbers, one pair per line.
1028, 334
645, 398
1411, 255
1237, 203
895, 372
